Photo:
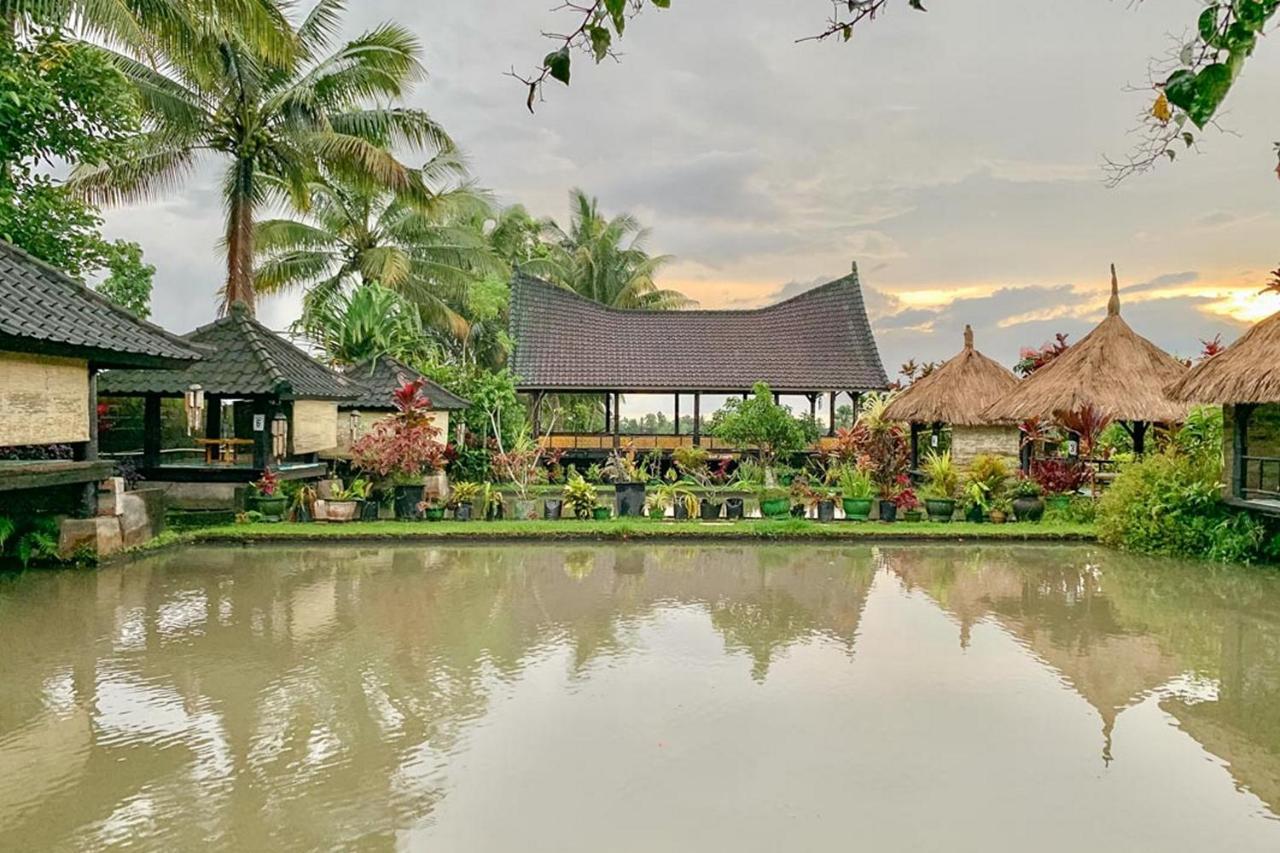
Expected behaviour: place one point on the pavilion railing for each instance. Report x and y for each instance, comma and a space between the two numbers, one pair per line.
1259, 477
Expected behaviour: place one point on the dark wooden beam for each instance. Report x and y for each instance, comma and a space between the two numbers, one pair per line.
915, 445
608, 412
831, 426
697, 419
151, 431
617, 419
263, 411
1139, 433
213, 424
677, 432
1240, 449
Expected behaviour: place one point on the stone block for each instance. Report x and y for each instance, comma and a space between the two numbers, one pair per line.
135, 524
110, 492
101, 536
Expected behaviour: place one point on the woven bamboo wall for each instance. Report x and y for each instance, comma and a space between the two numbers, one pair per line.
43, 400
315, 426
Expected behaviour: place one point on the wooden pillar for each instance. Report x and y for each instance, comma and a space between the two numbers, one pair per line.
1139, 438
263, 410
535, 414
915, 445
87, 450
213, 424
608, 413
677, 432
151, 431
1240, 449
935, 439
617, 419
813, 407
831, 402
855, 400
697, 419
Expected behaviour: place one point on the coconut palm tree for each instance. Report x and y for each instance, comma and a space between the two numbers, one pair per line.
274, 117
368, 322
422, 247
605, 259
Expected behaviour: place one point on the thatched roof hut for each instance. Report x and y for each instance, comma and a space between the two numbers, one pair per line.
1113, 370
957, 393
1248, 371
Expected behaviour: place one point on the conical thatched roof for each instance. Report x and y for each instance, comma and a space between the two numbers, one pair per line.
1248, 371
1115, 371
956, 393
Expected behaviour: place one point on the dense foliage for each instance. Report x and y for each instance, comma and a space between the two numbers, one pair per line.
1170, 503
761, 424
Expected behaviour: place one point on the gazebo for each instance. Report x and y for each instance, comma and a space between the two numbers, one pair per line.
284, 406
1245, 380
818, 344
1113, 373
55, 336
957, 394
378, 379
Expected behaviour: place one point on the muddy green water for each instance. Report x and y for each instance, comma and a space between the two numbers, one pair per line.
636, 698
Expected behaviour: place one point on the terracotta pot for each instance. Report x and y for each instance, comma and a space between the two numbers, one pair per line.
343, 511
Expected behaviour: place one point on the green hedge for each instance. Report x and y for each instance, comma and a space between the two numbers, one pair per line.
1170, 504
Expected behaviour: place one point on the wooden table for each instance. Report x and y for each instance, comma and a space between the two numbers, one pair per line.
227, 450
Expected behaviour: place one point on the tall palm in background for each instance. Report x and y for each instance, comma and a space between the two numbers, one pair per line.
370, 321
421, 246
605, 259
212, 85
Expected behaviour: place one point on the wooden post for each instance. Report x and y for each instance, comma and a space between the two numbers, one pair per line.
831, 402
813, 407
915, 445
1139, 438
1239, 469
87, 451
151, 432
262, 437
617, 419
697, 419
677, 432
213, 424
535, 414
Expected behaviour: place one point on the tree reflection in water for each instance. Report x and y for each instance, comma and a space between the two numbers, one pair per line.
314, 697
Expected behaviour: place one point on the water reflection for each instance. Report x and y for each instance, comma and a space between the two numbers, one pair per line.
396, 697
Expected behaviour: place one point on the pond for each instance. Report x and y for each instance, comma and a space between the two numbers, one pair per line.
641, 698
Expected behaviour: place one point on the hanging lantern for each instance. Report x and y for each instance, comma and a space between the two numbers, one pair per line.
279, 436
194, 403
353, 424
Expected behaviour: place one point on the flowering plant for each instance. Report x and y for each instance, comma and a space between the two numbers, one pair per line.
1058, 476
405, 444
906, 500
268, 484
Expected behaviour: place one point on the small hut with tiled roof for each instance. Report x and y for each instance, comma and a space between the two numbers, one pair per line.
818, 344
55, 335
957, 394
1245, 380
1113, 372
378, 379
276, 388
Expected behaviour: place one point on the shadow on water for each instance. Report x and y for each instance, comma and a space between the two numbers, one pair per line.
313, 697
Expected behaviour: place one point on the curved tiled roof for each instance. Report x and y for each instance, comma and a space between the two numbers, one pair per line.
380, 378
817, 341
44, 310
242, 357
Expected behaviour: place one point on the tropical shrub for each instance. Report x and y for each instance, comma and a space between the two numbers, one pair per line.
405, 445
879, 447
943, 480
764, 426
992, 472
1059, 476
1169, 503
855, 483
580, 497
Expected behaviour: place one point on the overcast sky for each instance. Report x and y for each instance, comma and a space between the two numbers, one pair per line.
955, 155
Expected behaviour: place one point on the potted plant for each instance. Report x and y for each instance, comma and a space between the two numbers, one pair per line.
522, 467
1028, 503
857, 491
908, 504
822, 499
491, 503
656, 504
304, 503
628, 483
942, 486
403, 448
775, 502
552, 509
976, 501
760, 424
344, 506
368, 502
1000, 509
1059, 479
734, 507
266, 497
462, 499
580, 497
432, 508
601, 513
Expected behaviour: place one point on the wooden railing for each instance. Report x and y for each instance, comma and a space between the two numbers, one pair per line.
604, 442
1266, 484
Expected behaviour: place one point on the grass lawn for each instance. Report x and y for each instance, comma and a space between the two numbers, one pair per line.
638, 528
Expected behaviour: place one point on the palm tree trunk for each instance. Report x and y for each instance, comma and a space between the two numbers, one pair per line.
239, 286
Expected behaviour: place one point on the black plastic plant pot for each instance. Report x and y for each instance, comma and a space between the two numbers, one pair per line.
888, 511
552, 509
680, 511
407, 500
974, 515
1028, 509
799, 511
734, 509
462, 512
826, 511
495, 512
628, 500
709, 510
368, 510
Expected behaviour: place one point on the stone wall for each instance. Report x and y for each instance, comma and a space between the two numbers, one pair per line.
43, 400
968, 442
124, 520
